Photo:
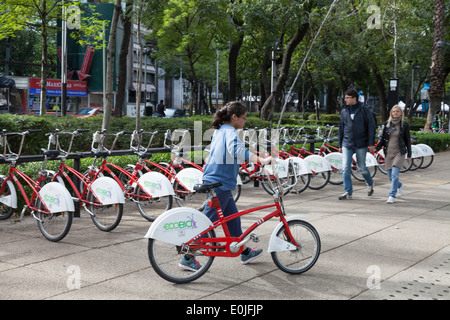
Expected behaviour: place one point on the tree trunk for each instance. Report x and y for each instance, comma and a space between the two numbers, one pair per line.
121, 86
381, 94
44, 64
436, 75
284, 71
110, 66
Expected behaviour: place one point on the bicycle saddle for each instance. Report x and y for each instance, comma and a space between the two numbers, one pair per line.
50, 153
203, 188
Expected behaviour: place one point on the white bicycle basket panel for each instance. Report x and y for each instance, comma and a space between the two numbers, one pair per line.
416, 152
56, 198
370, 160
317, 163
426, 149
179, 225
156, 184
11, 199
108, 191
301, 166
189, 177
335, 159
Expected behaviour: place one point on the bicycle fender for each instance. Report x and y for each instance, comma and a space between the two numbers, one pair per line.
56, 197
371, 161
108, 191
301, 166
278, 244
189, 177
335, 159
9, 200
156, 184
179, 225
238, 180
426, 149
317, 163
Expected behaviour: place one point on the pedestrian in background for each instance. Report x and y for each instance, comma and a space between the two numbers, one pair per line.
396, 140
356, 135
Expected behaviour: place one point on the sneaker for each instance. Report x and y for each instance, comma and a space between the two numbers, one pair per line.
399, 192
189, 264
370, 190
391, 200
252, 255
345, 196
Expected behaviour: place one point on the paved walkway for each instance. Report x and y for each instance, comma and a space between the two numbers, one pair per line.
370, 250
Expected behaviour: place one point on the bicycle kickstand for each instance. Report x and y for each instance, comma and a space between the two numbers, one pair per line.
22, 214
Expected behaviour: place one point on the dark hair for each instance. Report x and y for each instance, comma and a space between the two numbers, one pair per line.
224, 114
352, 93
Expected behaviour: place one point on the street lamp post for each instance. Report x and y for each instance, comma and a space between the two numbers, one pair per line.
444, 44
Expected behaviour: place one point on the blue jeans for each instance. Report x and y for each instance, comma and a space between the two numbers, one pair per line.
393, 175
228, 208
347, 167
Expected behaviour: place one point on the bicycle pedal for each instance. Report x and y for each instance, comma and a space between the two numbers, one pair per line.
254, 237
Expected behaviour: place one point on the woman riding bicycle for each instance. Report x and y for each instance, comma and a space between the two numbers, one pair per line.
226, 154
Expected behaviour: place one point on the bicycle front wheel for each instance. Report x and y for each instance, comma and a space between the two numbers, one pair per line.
165, 259
105, 217
53, 226
302, 258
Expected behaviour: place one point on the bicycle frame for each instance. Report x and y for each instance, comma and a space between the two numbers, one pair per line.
233, 246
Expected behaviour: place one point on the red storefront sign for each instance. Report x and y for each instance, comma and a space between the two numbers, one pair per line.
74, 88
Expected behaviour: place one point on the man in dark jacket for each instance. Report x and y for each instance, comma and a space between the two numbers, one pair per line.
356, 134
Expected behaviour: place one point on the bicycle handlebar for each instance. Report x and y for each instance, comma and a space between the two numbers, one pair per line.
9, 155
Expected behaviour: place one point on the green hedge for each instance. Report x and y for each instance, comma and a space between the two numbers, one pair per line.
35, 142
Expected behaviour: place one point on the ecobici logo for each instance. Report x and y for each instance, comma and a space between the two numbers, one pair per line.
153, 185
181, 225
51, 199
104, 192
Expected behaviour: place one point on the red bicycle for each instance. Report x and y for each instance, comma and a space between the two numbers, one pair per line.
294, 244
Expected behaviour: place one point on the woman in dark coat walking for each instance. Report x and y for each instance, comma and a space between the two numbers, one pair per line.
396, 141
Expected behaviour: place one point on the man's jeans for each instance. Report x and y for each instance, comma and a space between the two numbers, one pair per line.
393, 175
347, 167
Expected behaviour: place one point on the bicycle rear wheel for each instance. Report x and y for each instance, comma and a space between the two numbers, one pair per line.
165, 259
381, 163
427, 161
358, 176
303, 257
319, 180
5, 210
105, 217
150, 208
416, 163
336, 176
186, 198
53, 226
302, 183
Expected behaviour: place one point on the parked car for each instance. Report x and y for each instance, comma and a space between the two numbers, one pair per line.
172, 113
89, 112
